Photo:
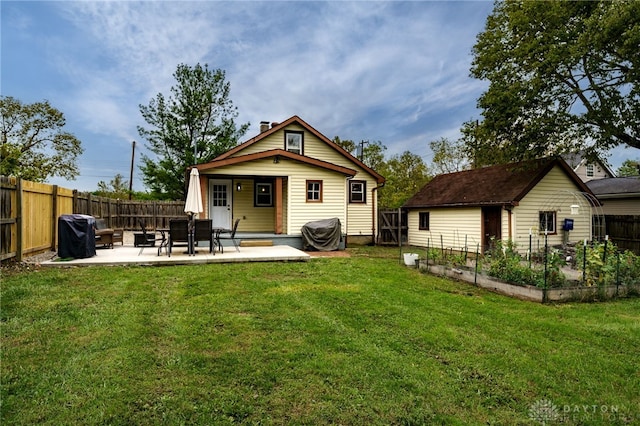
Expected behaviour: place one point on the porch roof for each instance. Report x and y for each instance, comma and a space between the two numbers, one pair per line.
273, 153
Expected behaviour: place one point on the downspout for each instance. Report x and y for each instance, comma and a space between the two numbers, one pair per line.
373, 213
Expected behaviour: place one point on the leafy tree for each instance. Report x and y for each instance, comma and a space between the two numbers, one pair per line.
34, 145
194, 125
118, 187
629, 168
346, 144
372, 153
448, 156
564, 76
405, 174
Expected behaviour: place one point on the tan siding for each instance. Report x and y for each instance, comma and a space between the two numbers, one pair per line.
254, 219
333, 196
452, 224
361, 215
555, 192
598, 172
621, 207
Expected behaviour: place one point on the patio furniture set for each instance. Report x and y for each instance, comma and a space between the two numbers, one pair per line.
185, 233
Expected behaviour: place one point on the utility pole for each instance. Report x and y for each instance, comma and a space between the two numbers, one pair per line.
133, 154
362, 144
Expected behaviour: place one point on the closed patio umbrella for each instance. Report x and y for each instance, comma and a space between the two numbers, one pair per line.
193, 204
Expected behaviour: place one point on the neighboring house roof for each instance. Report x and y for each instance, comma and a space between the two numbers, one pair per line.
575, 160
500, 185
277, 127
621, 187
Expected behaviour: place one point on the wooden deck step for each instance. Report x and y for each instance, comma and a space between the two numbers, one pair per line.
256, 243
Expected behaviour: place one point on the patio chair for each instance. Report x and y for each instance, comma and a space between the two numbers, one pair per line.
231, 236
178, 234
203, 233
146, 238
104, 234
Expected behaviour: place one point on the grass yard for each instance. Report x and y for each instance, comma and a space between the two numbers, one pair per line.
353, 341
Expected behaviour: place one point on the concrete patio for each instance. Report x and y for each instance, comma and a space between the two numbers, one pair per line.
127, 254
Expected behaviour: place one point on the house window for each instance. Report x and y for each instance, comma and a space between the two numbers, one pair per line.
548, 222
589, 170
293, 142
264, 194
357, 191
423, 221
314, 191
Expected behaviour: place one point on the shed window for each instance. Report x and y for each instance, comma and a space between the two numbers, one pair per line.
314, 191
548, 222
357, 191
423, 219
294, 142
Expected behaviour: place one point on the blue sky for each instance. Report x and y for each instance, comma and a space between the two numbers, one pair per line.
395, 72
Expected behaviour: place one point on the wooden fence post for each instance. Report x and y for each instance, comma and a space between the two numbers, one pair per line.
19, 220
54, 210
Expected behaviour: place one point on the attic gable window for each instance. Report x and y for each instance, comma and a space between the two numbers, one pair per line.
590, 170
548, 222
294, 142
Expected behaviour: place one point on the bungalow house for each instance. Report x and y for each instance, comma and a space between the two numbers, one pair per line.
520, 202
286, 176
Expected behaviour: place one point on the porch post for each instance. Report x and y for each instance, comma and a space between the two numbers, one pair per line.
279, 209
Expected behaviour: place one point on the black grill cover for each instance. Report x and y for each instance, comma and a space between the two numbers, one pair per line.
76, 236
322, 235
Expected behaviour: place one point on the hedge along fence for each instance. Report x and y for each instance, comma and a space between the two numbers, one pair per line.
29, 213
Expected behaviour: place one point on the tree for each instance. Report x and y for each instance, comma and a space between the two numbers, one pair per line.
194, 125
405, 174
370, 153
34, 145
448, 156
564, 76
629, 168
118, 187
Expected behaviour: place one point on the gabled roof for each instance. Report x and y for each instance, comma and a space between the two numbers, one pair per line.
500, 185
576, 159
277, 127
274, 153
620, 187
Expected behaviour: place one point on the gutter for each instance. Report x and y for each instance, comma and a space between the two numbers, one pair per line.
373, 213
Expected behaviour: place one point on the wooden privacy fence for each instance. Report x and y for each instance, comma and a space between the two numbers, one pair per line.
624, 231
29, 214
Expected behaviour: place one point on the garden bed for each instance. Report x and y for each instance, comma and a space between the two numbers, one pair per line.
529, 292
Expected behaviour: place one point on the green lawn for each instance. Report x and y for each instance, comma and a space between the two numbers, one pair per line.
360, 340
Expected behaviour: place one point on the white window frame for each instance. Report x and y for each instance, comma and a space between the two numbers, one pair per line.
362, 192
294, 142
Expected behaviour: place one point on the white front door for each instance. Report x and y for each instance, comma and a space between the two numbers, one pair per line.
220, 203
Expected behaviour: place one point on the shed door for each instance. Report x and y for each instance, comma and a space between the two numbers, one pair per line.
220, 203
491, 225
